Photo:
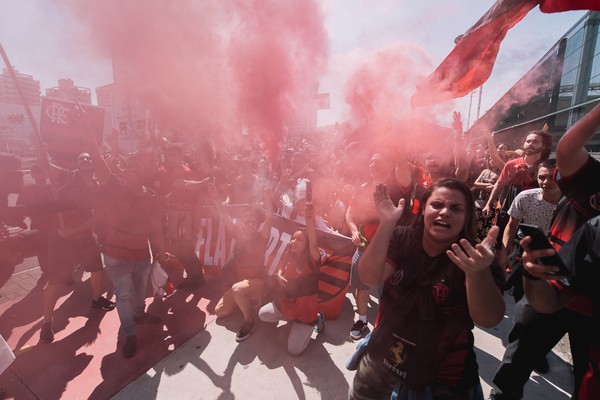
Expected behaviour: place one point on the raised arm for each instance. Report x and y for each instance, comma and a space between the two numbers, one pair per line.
372, 266
313, 245
284, 182
461, 167
101, 169
223, 213
496, 160
52, 171
570, 151
487, 210
268, 199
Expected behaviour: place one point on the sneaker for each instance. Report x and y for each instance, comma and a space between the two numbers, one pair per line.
245, 331
130, 346
47, 333
146, 318
320, 326
359, 329
104, 304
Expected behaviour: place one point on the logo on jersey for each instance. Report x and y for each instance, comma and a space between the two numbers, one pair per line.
440, 292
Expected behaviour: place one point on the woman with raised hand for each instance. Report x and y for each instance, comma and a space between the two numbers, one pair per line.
296, 285
438, 282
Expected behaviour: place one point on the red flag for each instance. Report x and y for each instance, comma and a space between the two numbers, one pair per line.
470, 62
552, 6
61, 128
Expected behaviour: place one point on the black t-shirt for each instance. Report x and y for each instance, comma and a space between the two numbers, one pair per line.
445, 282
581, 255
580, 202
78, 198
125, 222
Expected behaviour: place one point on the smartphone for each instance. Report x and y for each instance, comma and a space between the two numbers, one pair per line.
308, 192
539, 241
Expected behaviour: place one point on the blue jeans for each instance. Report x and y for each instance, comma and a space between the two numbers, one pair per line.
129, 278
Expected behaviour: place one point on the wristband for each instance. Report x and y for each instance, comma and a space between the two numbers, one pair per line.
527, 275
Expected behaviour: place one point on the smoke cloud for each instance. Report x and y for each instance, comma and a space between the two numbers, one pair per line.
228, 67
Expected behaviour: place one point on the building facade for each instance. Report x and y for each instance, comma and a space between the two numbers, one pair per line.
66, 90
29, 86
560, 88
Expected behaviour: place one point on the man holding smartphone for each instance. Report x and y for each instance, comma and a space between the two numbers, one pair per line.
532, 337
581, 254
533, 207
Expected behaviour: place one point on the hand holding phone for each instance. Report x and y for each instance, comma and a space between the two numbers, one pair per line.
539, 241
308, 192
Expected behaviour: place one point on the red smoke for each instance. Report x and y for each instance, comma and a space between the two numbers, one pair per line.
378, 93
224, 66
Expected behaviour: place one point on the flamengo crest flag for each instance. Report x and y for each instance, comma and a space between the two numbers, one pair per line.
62, 127
470, 62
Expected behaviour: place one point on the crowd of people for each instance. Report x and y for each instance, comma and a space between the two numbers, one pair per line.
436, 236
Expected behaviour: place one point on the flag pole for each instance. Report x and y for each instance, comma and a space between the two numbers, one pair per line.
45, 163
13, 75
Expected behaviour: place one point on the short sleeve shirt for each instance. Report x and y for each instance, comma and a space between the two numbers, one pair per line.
517, 172
530, 207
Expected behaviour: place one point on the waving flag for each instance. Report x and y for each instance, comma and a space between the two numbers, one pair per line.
470, 62
552, 6
61, 128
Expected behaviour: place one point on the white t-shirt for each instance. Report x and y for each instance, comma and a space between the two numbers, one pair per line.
531, 208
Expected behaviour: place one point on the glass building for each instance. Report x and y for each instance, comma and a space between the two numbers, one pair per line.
562, 87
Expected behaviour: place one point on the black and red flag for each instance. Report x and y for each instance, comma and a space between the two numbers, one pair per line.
470, 62
62, 127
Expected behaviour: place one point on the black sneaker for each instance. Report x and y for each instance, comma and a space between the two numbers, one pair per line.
47, 333
104, 304
130, 346
359, 329
146, 318
245, 331
320, 326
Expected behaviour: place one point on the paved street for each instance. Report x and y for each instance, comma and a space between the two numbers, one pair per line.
211, 365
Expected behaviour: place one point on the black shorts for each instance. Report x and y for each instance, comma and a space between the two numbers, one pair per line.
65, 254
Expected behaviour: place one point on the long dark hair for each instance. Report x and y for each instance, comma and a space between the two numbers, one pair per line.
546, 143
469, 229
298, 259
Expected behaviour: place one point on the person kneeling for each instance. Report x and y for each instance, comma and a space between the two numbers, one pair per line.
296, 283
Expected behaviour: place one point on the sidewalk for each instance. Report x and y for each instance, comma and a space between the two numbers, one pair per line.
209, 364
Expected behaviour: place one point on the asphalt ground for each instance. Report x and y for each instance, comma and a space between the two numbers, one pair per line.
207, 362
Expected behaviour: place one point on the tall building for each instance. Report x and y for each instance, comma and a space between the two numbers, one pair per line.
29, 86
67, 90
560, 88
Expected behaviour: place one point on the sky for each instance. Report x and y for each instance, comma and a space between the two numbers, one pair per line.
48, 40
